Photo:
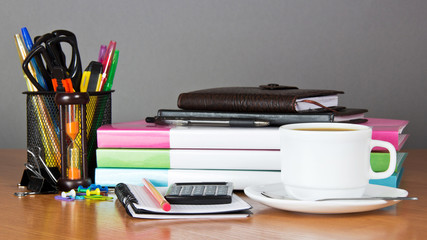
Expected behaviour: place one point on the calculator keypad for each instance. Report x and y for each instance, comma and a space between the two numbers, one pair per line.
200, 193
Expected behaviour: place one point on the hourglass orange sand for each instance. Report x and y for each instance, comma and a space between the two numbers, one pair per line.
73, 153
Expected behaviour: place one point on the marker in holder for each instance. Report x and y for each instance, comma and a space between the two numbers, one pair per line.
73, 140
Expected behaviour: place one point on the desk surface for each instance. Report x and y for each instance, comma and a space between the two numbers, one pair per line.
43, 217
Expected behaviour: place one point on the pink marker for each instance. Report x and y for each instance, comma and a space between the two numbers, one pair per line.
102, 51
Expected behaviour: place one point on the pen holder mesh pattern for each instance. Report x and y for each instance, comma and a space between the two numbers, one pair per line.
43, 129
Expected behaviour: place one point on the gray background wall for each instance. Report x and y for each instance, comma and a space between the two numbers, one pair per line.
374, 50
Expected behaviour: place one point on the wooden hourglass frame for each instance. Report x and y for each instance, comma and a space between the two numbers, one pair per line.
74, 169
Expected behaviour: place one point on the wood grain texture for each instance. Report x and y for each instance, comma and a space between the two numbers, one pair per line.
43, 217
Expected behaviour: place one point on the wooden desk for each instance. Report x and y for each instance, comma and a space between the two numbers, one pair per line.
43, 217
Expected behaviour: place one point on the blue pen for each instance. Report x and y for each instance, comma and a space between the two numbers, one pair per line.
29, 45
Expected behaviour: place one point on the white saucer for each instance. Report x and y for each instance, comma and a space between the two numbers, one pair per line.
325, 207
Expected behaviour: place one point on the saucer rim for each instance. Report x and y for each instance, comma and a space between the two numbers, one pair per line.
322, 207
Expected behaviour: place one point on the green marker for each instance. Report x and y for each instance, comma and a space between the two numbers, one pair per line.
109, 84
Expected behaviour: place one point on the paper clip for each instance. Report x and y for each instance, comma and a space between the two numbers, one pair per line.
98, 198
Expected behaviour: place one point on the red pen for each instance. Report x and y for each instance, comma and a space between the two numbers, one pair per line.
156, 195
108, 58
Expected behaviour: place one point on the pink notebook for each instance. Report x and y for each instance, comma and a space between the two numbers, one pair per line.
137, 134
140, 134
389, 130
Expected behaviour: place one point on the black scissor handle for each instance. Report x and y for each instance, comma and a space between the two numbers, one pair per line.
74, 68
58, 48
61, 32
37, 51
42, 40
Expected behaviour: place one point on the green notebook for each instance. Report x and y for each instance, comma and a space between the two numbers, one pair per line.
381, 160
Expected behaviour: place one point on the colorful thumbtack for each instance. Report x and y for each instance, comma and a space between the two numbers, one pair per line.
94, 192
101, 188
70, 194
92, 187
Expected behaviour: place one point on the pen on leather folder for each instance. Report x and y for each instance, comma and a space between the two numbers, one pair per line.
208, 122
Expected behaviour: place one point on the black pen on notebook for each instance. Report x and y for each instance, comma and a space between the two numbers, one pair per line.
208, 122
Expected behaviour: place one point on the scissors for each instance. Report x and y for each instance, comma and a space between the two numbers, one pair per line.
52, 61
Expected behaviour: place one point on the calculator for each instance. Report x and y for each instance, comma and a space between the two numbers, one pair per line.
200, 193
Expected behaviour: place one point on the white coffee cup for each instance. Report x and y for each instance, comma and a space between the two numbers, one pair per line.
329, 160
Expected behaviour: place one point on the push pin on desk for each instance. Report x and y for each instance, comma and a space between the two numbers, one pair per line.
94, 192
70, 194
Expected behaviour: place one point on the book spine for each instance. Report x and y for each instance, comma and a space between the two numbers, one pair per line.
111, 138
191, 137
392, 181
189, 159
162, 178
132, 158
381, 160
388, 136
389, 130
237, 102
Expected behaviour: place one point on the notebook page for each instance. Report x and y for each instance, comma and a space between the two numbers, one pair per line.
241, 214
147, 202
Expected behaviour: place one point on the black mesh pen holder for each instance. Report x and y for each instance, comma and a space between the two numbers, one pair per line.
43, 128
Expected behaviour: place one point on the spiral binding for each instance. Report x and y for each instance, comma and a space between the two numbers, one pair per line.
125, 196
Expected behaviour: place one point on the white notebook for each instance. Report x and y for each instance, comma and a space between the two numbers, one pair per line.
139, 204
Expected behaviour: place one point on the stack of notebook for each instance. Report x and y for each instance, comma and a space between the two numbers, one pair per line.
166, 154
246, 156
390, 130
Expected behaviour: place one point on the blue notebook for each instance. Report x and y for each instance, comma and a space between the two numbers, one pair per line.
392, 181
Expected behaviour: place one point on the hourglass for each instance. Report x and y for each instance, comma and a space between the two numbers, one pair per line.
72, 117
73, 150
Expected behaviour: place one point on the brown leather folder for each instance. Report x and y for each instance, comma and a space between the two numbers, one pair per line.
271, 98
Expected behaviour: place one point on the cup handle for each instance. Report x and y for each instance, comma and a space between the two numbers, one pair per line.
392, 164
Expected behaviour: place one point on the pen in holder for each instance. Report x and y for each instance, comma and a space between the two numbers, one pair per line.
73, 140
